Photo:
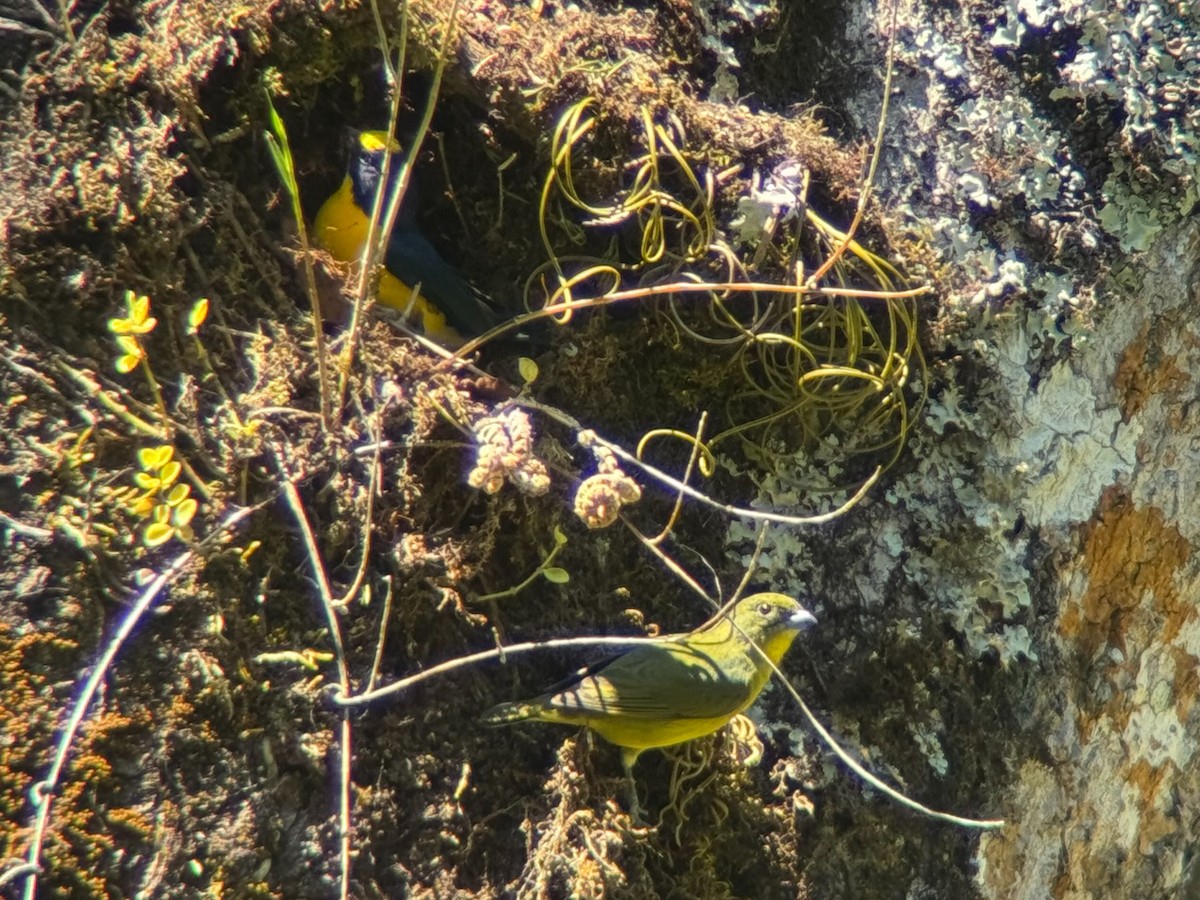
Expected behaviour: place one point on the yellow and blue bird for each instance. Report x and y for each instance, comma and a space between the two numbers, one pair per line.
447, 309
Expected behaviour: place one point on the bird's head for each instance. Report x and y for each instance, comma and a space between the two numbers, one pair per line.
772, 621
367, 152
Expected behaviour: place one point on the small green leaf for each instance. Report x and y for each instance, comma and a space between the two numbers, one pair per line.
197, 314
555, 575
528, 369
281, 151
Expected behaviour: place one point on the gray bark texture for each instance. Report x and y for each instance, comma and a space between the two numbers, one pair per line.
1048, 153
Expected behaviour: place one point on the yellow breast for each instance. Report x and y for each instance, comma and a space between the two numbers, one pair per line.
643, 734
341, 228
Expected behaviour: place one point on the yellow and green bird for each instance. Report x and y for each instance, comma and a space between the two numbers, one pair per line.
681, 687
448, 309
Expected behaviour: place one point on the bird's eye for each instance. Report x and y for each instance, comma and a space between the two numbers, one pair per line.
764, 609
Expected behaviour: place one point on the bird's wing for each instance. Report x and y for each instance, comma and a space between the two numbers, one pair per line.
412, 259
667, 680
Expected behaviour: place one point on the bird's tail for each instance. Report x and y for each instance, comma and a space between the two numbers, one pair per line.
510, 712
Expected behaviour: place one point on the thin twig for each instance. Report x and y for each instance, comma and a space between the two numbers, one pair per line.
345, 699
372, 243
379, 231
751, 567
680, 287
44, 790
296, 506
673, 483
281, 150
360, 575
377, 662
19, 869
676, 569
865, 194
682, 574
29, 532
687, 474
857, 768
96, 391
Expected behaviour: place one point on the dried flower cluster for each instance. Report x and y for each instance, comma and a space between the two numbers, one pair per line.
601, 496
505, 443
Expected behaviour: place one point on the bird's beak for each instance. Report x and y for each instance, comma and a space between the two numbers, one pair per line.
802, 619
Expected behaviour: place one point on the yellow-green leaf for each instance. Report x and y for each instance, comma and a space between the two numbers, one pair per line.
144, 327
157, 534
555, 575
146, 481
139, 307
528, 369
178, 494
142, 506
197, 314
159, 456
169, 473
184, 512
130, 346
